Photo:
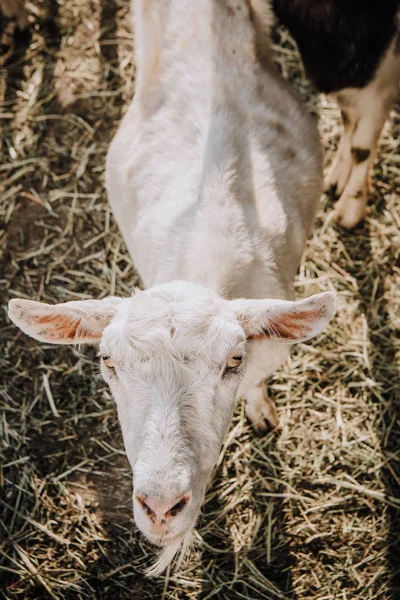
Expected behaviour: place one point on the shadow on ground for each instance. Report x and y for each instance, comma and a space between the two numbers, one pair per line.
371, 276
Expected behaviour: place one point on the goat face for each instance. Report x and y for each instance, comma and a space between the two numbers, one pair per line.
173, 362
174, 357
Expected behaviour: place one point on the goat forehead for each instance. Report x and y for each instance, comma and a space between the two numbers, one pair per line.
178, 315
158, 326
194, 315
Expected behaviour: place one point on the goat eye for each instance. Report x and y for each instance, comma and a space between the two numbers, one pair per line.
108, 361
234, 362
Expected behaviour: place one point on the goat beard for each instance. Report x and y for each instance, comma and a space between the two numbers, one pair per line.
169, 552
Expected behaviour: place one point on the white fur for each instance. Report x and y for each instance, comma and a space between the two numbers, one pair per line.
214, 177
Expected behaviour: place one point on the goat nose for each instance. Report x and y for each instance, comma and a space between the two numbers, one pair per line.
164, 508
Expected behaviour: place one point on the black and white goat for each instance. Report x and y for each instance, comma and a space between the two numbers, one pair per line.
350, 48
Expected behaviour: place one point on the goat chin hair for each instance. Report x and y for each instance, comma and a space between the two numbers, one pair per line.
168, 553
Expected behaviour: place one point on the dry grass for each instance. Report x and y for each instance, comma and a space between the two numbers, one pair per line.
311, 512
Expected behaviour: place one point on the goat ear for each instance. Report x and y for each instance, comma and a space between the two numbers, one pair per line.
80, 322
283, 321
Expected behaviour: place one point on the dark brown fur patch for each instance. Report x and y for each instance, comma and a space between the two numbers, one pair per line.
360, 154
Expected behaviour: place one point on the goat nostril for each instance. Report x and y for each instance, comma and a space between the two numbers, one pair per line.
150, 512
155, 508
178, 507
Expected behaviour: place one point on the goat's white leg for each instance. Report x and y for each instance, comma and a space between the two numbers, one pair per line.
364, 112
147, 21
263, 359
340, 169
351, 207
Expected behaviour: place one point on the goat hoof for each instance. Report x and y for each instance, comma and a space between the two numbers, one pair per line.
350, 211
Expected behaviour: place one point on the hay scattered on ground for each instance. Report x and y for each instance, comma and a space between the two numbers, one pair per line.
308, 513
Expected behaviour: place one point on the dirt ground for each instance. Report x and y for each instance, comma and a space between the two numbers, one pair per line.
309, 512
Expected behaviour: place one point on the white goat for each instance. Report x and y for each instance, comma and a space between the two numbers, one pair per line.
214, 177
